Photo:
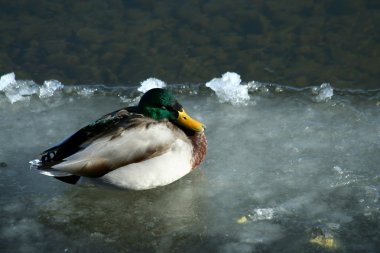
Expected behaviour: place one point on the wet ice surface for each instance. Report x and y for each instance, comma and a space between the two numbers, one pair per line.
280, 171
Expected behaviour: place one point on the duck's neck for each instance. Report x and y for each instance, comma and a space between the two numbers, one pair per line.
199, 148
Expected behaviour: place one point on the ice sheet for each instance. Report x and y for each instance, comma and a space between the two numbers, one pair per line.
305, 175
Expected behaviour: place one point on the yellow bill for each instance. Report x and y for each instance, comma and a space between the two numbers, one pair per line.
185, 120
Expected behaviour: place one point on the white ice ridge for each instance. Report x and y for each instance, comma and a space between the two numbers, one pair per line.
22, 90
151, 83
229, 89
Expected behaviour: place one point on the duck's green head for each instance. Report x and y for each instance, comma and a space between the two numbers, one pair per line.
160, 104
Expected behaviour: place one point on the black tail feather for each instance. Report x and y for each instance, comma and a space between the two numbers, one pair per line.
72, 179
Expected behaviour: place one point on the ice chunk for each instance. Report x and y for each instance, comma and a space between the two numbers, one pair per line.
17, 90
151, 83
262, 214
49, 87
7, 80
228, 89
325, 92
21, 91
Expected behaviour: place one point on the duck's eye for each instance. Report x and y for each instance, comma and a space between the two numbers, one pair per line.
168, 108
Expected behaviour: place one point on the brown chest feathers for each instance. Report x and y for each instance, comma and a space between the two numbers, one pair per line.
199, 149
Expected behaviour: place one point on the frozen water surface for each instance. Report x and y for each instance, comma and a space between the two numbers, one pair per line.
286, 172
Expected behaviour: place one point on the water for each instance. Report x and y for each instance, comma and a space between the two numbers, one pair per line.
125, 41
288, 170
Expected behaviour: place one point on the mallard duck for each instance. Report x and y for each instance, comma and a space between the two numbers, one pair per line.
141, 147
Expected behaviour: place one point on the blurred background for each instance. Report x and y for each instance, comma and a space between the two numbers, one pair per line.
117, 42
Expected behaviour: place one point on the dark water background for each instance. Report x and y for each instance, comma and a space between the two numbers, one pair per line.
297, 43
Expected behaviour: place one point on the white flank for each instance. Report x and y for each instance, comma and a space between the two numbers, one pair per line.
158, 171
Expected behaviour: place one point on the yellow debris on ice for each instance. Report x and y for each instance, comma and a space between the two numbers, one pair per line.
327, 242
242, 220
